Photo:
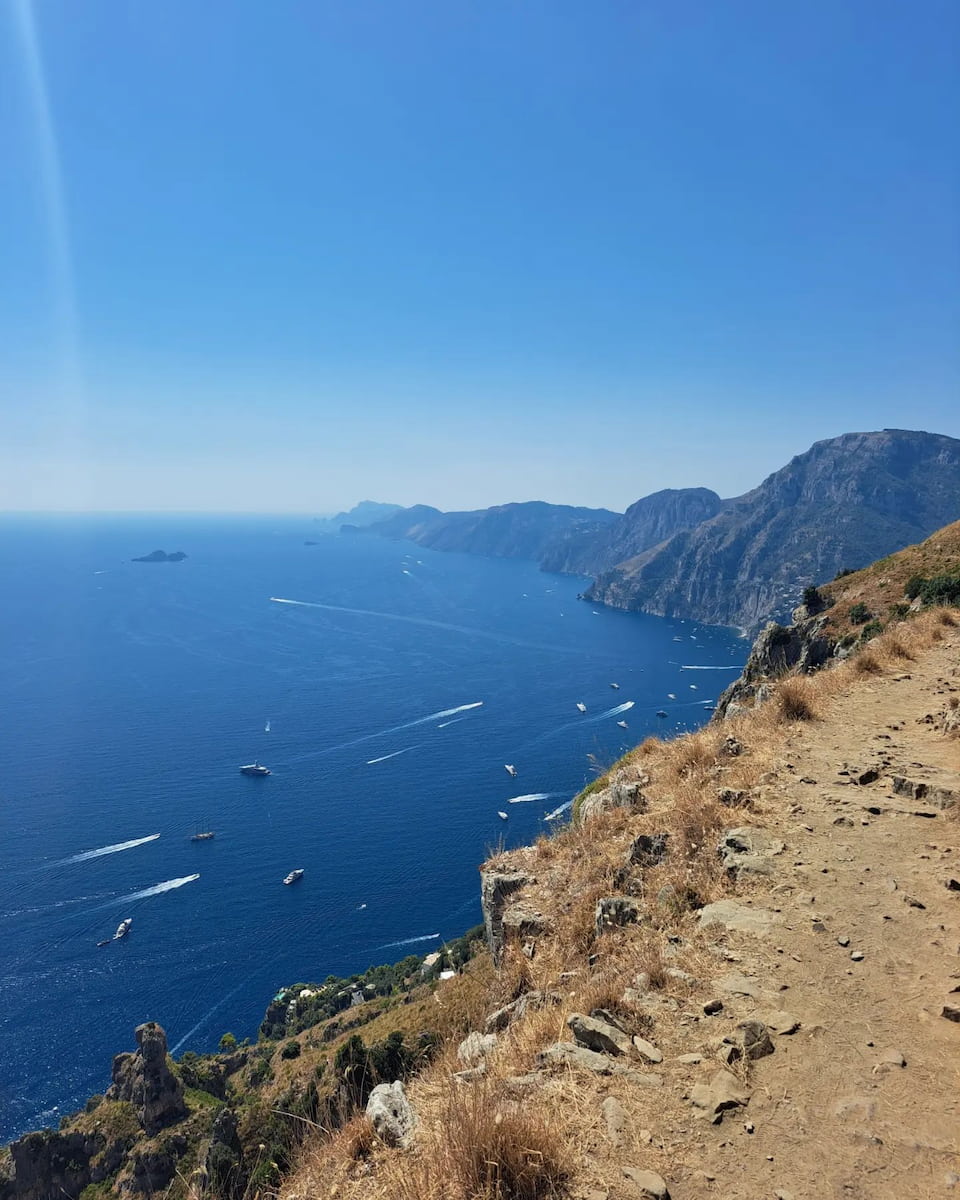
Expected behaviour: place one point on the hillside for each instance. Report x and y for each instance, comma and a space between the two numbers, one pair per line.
733, 974
646, 523
844, 503
839, 617
506, 531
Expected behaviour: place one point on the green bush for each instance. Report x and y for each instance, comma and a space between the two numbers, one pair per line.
228, 1043
899, 612
291, 1049
843, 571
859, 613
870, 630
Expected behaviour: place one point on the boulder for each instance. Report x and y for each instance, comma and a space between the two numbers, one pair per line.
568, 1054
615, 1119
614, 911
475, 1047
522, 921
649, 1184
390, 1114
598, 1035
501, 1018
723, 1092
748, 851
648, 850
616, 795
750, 1040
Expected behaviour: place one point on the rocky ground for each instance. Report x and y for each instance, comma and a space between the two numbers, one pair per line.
797, 1037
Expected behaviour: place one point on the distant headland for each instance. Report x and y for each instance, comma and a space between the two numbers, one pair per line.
161, 556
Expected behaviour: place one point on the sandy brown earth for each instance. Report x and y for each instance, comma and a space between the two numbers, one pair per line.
864, 872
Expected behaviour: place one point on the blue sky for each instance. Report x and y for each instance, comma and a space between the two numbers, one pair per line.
282, 256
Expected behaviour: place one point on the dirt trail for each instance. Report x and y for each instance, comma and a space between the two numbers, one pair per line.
866, 955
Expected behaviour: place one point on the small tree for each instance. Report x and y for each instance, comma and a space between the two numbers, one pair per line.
228, 1043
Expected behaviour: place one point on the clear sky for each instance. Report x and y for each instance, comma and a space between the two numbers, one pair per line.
284, 255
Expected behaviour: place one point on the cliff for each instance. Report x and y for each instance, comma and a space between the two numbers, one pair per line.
842, 616
646, 523
506, 531
842, 504
367, 512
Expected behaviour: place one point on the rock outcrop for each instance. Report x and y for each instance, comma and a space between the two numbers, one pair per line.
842, 504
144, 1079
390, 1114
495, 889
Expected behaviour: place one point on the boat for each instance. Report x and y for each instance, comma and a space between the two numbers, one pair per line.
294, 876
581, 706
623, 725
122, 930
615, 686
204, 836
671, 696
266, 728
510, 769
503, 816
661, 713
254, 768
693, 687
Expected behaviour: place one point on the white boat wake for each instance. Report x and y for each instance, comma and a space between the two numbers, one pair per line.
688, 667
489, 635
614, 712
114, 849
530, 797
558, 811
369, 737
384, 757
427, 937
157, 890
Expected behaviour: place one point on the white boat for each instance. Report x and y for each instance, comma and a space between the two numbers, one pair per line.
693, 687
510, 769
623, 725
123, 928
254, 768
581, 706
615, 686
503, 816
294, 876
266, 728
671, 696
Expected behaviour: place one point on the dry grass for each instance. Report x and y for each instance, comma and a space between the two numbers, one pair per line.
484, 1147
794, 701
865, 663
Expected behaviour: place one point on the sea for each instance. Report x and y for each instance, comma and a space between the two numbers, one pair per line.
385, 686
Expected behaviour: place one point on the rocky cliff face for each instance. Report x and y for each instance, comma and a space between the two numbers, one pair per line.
645, 524
145, 1081
842, 504
506, 531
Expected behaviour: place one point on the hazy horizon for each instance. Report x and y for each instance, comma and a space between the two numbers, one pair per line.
261, 258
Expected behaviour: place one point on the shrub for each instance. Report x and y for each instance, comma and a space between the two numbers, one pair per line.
813, 598
870, 630
843, 571
228, 1043
859, 613
899, 612
866, 664
291, 1049
792, 702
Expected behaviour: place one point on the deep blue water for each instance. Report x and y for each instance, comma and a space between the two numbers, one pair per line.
131, 693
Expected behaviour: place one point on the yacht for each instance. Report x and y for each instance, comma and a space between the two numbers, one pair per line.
615, 686
294, 876
123, 928
205, 836
623, 725
503, 816
510, 769
254, 768
581, 706
661, 713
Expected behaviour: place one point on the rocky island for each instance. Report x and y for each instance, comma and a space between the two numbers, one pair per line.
157, 556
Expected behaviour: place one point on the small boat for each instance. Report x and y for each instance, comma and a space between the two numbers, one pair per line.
254, 768
693, 687
510, 769
582, 707
294, 876
615, 686
266, 728
361, 906
671, 696
122, 929
205, 836
661, 713
623, 725
503, 816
